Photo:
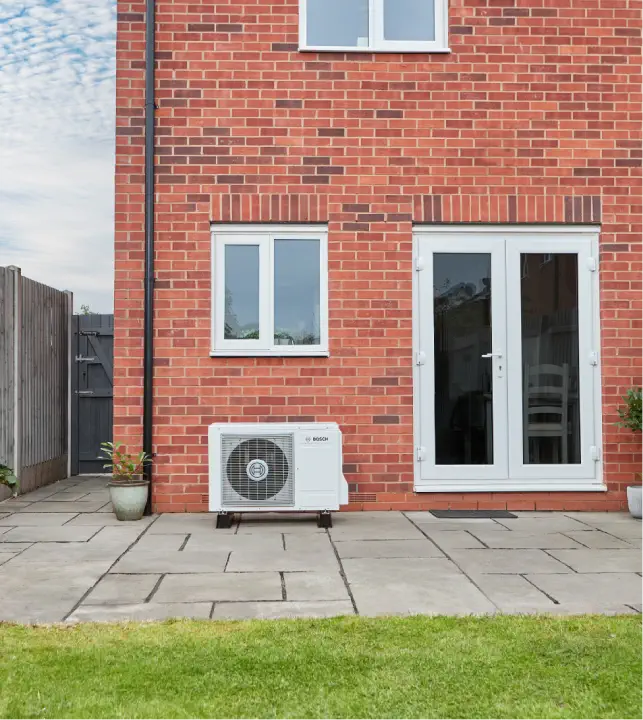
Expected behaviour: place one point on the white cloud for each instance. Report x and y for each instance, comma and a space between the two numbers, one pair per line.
57, 144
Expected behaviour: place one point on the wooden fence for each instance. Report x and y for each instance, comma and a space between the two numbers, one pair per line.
35, 362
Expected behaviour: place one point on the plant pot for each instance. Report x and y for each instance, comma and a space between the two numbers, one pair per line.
634, 500
128, 498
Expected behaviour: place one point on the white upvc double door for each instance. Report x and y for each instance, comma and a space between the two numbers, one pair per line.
507, 383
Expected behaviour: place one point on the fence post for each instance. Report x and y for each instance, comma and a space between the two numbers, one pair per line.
70, 369
17, 369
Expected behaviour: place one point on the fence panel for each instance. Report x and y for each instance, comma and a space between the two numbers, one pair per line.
7, 389
35, 331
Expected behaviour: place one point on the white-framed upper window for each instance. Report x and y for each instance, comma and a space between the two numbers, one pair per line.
374, 25
269, 290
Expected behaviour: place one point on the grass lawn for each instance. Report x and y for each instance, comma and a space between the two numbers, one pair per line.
502, 667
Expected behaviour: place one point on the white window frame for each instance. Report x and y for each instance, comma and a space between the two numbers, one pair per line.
264, 237
376, 41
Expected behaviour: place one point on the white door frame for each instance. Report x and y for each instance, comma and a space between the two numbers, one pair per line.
582, 240
495, 248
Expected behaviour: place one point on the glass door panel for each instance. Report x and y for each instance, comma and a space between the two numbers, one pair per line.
552, 358
462, 378
462, 329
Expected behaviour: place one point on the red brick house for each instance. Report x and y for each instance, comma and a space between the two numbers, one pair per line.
418, 221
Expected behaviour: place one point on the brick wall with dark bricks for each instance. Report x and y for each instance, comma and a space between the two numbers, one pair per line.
533, 117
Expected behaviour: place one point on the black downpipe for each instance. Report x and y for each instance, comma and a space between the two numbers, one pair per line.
148, 341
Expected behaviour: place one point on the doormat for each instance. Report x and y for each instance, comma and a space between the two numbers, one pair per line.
462, 514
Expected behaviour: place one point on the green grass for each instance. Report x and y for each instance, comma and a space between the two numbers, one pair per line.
513, 667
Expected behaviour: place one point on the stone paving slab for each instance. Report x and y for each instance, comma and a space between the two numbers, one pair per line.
593, 518
36, 519
168, 561
634, 542
42, 593
451, 539
431, 586
311, 586
513, 594
539, 526
116, 537
122, 590
220, 586
187, 523
519, 541
162, 542
212, 541
70, 495
59, 506
620, 529
387, 549
277, 610
14, 547
603, 561
15, 504
444, 523
595, 588
50, 568
102, 520
511, 562
397, 527
598, 539
140, 612
429, 524
300, 558
40, 494
48, 534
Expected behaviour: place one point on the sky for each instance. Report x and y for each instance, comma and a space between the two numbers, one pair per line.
57, 67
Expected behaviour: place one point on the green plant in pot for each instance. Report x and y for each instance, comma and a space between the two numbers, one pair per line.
630, 415
127, 489
9, 479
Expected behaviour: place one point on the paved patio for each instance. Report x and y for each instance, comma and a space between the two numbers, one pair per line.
64, 557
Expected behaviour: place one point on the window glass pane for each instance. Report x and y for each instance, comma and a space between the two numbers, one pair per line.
241, 292
337, 23
297, 292
409, 20
550, 359
463, 378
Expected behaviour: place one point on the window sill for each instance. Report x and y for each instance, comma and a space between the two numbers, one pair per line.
379, 51
269, 353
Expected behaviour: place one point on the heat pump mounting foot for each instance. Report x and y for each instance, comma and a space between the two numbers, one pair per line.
325, 520
224, 521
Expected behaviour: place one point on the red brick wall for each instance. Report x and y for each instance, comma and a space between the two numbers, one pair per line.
534, 117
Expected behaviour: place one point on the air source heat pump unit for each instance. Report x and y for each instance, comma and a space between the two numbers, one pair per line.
276, 467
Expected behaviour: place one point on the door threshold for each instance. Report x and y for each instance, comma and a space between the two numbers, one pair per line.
509, 486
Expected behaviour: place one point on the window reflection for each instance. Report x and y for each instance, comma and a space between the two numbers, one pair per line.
550, 358
297, 292
241, 292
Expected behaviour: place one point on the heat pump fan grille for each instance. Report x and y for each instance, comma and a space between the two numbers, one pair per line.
257, 471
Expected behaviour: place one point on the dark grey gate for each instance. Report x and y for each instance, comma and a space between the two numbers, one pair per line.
92, 389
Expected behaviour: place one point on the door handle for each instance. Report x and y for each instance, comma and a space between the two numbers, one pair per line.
492, 355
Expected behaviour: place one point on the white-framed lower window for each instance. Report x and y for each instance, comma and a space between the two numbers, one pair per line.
374, 25
269, 290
